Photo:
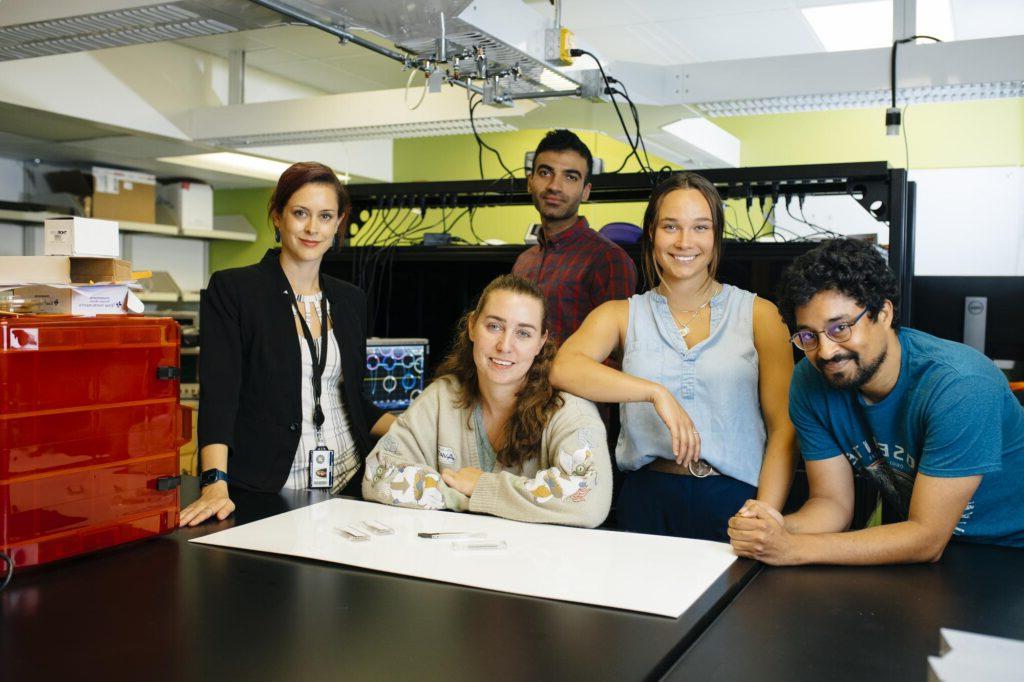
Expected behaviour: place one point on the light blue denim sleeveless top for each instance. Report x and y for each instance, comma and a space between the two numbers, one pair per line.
715, 382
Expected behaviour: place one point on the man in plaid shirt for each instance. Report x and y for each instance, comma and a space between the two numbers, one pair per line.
575, 267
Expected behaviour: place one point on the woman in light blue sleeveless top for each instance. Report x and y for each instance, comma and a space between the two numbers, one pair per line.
704, 386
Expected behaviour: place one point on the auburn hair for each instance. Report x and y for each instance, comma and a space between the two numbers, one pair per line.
297, 176
536, 401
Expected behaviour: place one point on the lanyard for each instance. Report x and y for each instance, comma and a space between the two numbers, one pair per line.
319, 359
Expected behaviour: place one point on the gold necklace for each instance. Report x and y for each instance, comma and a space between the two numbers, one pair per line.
684, 327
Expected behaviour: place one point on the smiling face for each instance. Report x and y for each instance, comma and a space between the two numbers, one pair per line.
683, 236
309, 221
852, 363
507, 335
558, 184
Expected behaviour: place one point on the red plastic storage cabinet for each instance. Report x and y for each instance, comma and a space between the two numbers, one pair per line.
90, 427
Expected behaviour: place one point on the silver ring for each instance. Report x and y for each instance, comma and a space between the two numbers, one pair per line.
695, 433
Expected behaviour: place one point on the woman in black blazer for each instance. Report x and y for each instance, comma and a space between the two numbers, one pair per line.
263, 351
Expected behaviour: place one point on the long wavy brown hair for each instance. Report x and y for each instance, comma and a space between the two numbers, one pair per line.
652, 271
536, 401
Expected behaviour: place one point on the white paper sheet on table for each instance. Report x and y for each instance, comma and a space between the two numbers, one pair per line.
647, 573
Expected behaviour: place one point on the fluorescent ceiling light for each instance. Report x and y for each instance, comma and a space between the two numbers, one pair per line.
852, 26
699, 136
935, 18
245, 165
377, 132
857, 100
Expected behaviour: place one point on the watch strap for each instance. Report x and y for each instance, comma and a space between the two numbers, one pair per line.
211, 476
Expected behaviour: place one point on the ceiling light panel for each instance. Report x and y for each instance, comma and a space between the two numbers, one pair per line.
935, 18
987, 18
380, 132
859, 100
852, 26
229, 162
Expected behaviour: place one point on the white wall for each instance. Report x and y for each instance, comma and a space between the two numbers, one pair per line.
185, 259
970, 222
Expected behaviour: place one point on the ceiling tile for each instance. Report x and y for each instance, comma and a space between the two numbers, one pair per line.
987, 18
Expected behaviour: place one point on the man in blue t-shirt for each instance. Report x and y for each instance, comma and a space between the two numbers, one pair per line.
932, 423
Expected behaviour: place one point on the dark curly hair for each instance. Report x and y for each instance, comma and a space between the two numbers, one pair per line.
536, 402
850, 267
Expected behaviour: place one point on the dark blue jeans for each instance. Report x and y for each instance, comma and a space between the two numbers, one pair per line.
684, 506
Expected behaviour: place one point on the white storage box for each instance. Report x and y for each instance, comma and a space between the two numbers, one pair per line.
188, 204
81, 237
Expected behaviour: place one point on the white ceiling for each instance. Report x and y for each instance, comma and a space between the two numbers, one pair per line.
652, 32
659, 32
310, 57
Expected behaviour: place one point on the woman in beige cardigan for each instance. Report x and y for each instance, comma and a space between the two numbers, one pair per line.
490, 434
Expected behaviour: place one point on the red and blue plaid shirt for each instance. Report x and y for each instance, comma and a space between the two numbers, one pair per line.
577, 270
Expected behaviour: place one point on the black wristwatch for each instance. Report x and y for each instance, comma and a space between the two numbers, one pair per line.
211, 476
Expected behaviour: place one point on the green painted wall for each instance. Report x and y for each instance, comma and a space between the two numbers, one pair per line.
251, 203
951, 135
441, 158
455, 158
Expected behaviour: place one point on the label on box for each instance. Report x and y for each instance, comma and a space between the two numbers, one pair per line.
104, 182
23, 338
112, 180
100, 299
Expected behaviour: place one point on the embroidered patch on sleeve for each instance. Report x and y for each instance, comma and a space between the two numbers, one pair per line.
380, 472
411, 486
571, 480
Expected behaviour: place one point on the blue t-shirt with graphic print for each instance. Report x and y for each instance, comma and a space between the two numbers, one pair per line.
950, 414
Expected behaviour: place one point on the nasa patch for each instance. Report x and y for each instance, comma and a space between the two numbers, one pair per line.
445, 455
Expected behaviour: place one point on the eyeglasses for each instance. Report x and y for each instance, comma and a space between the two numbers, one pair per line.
807, 340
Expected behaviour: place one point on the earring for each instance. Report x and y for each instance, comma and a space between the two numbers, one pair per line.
337, 240
277, 236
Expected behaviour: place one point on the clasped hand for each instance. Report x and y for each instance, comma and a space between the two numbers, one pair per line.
758, 531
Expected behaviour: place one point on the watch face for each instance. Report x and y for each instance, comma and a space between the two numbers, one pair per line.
209, 476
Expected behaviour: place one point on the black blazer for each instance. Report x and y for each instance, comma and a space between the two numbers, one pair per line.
250, 373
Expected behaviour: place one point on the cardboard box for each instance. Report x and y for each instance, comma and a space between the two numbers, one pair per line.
34, 270
123, 195
188, 205
81, 237
99, 299
22, 270
86, 270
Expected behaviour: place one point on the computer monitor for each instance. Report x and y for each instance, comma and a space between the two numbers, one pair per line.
395, 371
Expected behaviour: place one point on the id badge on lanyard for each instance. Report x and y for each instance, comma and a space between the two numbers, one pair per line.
321, 467
321, 457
